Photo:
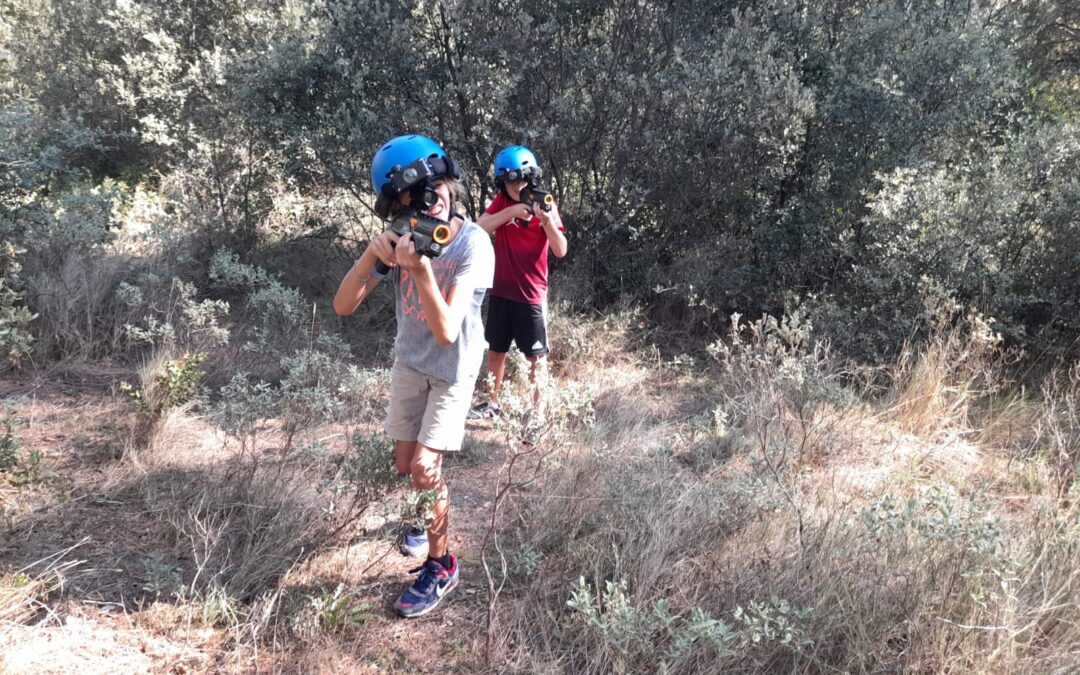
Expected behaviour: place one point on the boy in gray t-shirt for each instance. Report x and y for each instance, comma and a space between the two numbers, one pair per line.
467, 262
440, 335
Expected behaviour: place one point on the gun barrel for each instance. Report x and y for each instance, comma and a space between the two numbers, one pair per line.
531, 195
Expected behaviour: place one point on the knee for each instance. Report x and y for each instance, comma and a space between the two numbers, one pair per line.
426, 475
403, 466
536, 364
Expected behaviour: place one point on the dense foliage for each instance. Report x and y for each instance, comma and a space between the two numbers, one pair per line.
869, 160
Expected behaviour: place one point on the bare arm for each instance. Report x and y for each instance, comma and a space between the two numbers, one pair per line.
359, 281
444, 315
551, 221
493, 221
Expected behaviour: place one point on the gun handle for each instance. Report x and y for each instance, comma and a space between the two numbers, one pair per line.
381, 267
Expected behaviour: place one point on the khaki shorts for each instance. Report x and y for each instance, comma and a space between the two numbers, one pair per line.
426, 409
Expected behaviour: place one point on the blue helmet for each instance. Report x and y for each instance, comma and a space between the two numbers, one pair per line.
516, 162
405, 162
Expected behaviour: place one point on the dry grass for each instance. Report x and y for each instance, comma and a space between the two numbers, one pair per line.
587, 348
86, 645
78, 315
243, 532
936, 384
178, 440
830, 535
824, 530
25, 593
244, 517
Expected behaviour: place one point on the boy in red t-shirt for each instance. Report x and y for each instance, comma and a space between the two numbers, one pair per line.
517, 301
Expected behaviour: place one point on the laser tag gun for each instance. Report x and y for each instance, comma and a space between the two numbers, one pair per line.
533, 194
430, 234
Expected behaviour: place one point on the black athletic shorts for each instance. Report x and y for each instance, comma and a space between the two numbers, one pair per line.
520, 322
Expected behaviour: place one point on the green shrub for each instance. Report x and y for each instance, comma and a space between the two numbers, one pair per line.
275, 320
176, 385
174, 318
16, 339
23, 471
318, 388
359, 478
659, 639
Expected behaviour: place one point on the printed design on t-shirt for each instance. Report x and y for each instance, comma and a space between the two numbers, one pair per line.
411, 306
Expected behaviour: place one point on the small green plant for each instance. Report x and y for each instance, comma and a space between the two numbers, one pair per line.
611, 615
784, 354
317, 389
309, 391
162, 577
180, 380
274, 318
363, 391
698, 630
459, 647
10, 447
216, 608
176, 385
937, 514
324, 610
242, 405
21, 471
940, 530
17, 466
338, 611
184, 324
655, 638
361, 477
540, 412
775, 620
525, 560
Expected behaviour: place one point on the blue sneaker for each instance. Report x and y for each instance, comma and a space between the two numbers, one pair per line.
425, 594
414, 542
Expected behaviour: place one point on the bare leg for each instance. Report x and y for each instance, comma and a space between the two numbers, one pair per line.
497, 366
538, 362
403, 456
426, 469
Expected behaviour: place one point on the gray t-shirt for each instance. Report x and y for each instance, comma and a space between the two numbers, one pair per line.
468, 260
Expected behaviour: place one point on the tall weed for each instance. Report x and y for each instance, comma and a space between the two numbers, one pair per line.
936, 384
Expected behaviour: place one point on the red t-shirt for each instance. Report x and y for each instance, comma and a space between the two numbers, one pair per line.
521, 257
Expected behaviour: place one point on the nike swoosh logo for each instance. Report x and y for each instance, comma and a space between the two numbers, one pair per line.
440, 589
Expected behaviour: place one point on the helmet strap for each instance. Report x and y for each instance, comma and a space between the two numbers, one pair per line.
385, 200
